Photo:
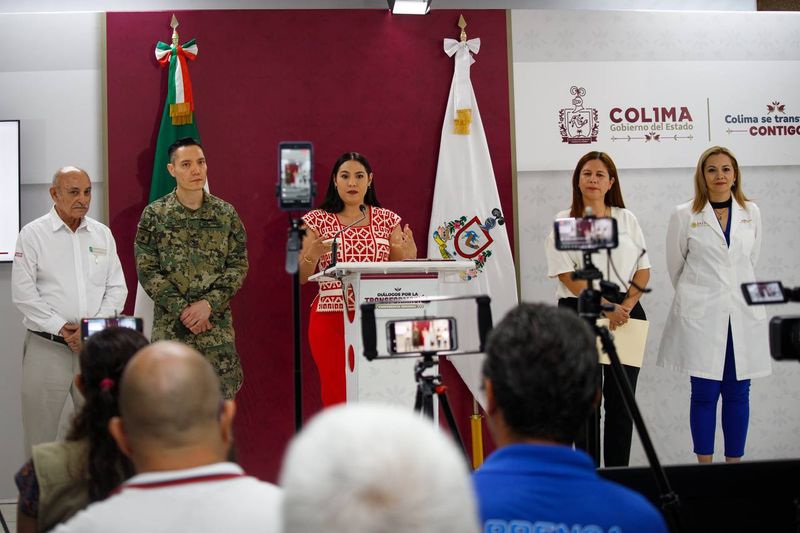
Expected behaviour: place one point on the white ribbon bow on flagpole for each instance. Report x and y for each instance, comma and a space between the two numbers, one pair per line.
463, 51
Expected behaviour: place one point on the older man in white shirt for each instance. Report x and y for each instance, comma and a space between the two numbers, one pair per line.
65, 268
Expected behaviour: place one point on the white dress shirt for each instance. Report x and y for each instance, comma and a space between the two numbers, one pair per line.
61, 276
628, 257
214, 498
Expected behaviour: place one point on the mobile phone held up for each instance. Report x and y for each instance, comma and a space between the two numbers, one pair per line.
764, 292
295, 176
90, 326
586, 233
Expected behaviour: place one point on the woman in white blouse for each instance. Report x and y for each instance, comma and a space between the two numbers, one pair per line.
595, 185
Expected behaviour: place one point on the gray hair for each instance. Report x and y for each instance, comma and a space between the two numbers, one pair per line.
67, 170
374, 468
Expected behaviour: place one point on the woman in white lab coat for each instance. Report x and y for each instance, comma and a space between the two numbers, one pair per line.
713, 244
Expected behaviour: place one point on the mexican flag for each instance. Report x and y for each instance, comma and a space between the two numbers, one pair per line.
467, 219
177, 122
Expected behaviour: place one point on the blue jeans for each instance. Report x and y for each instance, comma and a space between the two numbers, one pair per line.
735, 408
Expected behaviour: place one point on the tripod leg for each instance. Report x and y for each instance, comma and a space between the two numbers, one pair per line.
427, 403
441, 392
588, 438
418, 400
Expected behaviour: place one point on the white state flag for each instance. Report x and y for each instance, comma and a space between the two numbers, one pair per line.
143, 308
467, 219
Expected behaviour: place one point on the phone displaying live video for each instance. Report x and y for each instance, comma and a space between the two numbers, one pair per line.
90, 326
295, 176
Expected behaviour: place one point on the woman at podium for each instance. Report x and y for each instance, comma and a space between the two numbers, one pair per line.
364, 231
595, 185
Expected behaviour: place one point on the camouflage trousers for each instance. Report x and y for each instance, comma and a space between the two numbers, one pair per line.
218, 345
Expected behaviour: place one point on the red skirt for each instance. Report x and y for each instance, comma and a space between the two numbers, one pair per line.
326, 338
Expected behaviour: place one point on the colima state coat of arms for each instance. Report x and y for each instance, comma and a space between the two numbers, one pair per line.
578, 125
468, 238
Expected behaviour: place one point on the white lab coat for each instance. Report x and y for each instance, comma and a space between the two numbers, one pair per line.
707, 275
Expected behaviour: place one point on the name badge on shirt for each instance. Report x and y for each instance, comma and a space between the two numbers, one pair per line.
699, 223
746, 221
97, 253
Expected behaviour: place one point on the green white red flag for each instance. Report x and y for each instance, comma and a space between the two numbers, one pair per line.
177, 122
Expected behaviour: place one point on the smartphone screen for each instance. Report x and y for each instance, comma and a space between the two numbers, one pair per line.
295, 177
421, 335
766, 292
90, 326
585, 233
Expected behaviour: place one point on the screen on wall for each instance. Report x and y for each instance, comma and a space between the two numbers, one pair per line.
9, 188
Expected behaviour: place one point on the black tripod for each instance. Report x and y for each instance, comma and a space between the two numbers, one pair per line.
293, 246
589, 307
427, 386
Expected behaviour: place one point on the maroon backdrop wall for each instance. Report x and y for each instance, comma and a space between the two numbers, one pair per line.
346, 80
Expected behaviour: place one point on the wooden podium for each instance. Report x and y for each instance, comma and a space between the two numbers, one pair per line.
388, 380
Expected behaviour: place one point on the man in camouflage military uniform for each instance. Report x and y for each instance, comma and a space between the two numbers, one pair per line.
191, 258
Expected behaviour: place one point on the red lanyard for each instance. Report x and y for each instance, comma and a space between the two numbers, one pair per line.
175, 482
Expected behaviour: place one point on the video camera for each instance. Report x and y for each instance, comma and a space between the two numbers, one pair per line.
784, 331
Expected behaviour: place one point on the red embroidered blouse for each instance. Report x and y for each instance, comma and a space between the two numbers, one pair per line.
357, 244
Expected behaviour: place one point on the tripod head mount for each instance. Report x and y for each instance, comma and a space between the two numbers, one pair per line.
424, 362
590, 305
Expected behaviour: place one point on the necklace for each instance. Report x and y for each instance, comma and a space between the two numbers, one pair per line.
720, 208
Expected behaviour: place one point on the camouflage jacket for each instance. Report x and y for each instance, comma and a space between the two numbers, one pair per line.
183, 256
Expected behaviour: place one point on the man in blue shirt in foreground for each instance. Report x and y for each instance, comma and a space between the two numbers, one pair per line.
540, 376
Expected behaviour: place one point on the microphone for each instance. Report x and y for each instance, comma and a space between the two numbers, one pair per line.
335, 246
498, 215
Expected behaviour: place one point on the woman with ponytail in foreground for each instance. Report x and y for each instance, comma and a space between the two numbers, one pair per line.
64, 477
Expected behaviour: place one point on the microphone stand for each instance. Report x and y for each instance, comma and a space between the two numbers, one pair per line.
335, 244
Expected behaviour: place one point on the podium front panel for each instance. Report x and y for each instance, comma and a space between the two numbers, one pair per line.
389, 380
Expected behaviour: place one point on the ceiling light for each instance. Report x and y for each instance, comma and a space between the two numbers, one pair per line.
410, 7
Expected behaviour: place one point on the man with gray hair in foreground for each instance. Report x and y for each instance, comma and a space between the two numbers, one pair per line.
374, 468
178, 430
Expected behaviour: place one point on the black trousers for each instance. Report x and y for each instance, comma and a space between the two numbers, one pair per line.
619, 425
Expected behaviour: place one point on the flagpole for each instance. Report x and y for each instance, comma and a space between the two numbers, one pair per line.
477, 435
177, 121
476, 429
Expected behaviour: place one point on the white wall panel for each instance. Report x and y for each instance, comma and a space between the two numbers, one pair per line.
570, 36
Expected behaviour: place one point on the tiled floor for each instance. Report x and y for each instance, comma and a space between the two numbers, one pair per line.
9, 510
